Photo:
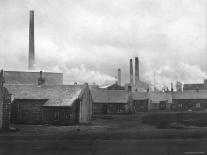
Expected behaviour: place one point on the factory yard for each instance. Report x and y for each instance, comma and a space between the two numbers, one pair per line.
106, 127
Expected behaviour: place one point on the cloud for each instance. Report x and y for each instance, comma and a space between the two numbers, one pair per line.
90, 40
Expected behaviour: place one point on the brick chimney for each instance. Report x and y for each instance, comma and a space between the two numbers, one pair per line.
119, 77
131, 73
41, 79
31, 41
136, 71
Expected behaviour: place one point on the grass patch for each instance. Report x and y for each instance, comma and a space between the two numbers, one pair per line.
164, 120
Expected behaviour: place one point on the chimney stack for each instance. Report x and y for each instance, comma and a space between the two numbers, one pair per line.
131, 73
136, 71
31, 41
41, 79
119, 77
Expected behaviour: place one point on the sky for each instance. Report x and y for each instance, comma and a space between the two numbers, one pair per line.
89, 40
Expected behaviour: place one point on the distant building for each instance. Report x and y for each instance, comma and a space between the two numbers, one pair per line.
115, 87
109, 101
196, 86
190, 100
31, 77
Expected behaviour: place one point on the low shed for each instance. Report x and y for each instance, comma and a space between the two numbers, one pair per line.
190, 100
51, 104
109, 101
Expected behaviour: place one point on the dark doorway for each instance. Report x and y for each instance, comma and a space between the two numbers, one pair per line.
77, 111
105, 109
163, 105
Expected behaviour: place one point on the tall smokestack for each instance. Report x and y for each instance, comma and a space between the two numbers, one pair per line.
31, 41
119, 77
136, 70
131, 73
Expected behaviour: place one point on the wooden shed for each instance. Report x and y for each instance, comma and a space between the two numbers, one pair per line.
51, 104
109, 101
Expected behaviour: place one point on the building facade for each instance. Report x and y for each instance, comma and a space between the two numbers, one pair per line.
51, 104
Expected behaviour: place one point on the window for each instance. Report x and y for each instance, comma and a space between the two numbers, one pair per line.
180, 105
198, 105
67, 115
56, 115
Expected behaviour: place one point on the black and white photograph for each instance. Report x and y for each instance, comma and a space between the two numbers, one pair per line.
103, 77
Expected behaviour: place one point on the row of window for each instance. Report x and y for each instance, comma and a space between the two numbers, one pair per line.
57, 115
198, 105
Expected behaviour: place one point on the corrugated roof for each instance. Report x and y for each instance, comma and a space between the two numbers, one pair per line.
56, 95
109, 96
201, 94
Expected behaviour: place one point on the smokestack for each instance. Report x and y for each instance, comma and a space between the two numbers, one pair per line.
131, 73
119, 77
31, 41
136, 71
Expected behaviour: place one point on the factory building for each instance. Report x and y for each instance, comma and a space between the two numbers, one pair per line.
195, 86
41, 97
30, 77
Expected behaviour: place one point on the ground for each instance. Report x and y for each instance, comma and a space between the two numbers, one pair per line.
111, 127
116, 135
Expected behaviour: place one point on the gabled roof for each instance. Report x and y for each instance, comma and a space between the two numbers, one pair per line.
56, 95
140, 96
156, 97
115, 87
109, 96
197, 86
201, 94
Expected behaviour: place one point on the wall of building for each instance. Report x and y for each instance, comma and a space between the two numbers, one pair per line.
27, 111
19, 77
189, 104
109, 108
4, 109
1, 109
141, 105
58, 115
85, 113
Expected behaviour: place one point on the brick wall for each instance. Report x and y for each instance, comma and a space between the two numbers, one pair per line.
17, 77
4, 109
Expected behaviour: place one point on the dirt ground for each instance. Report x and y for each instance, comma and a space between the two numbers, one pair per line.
110, 127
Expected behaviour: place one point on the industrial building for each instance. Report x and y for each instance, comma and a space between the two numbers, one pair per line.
38, 97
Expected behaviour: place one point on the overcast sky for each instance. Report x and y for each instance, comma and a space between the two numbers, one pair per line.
88, 40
